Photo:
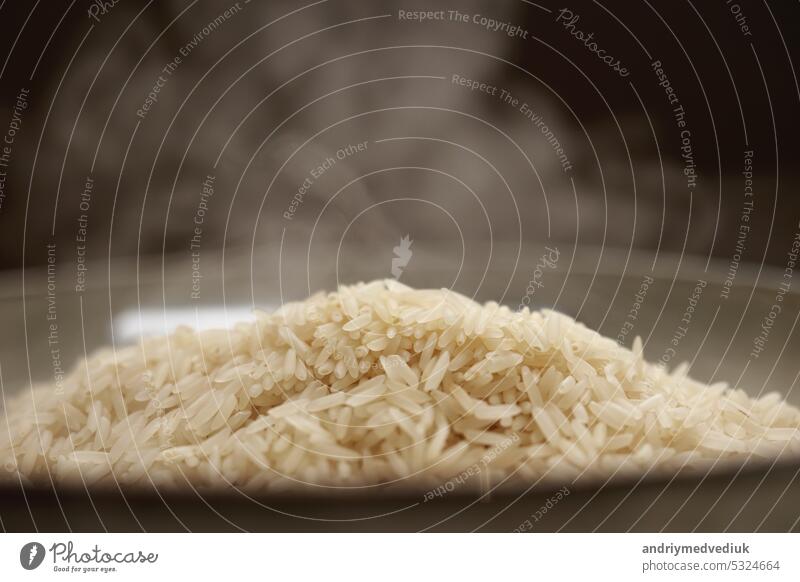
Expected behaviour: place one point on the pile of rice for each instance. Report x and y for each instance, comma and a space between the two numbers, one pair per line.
381, 383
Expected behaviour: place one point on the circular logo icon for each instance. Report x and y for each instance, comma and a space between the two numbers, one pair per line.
31, 555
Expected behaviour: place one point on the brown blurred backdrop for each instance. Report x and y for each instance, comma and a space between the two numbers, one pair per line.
264, 93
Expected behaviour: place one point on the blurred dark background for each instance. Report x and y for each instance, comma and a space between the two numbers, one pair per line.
264, 150
263, 93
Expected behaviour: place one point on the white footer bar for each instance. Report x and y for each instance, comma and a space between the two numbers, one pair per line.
401, 557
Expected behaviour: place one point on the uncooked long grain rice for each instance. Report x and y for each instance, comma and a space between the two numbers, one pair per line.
380, 382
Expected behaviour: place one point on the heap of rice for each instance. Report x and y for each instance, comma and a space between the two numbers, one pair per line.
377, 383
